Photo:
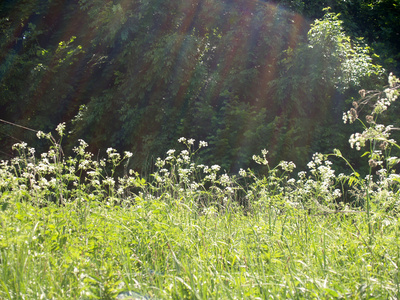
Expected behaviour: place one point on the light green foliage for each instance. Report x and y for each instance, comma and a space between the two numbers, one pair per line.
315, 79
351, 60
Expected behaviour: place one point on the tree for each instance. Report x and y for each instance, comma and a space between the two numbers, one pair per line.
315, 79
137, 75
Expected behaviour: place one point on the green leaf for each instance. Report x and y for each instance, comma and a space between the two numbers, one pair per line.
331, 292
366, 153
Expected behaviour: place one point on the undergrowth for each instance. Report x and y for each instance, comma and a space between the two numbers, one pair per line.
72, 229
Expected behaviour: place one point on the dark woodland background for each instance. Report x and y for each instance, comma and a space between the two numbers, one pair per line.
242, 75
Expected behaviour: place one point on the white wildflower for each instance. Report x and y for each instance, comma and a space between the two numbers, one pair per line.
109, 181
211, 177
186, 158
229, 190
224, 179
60, 129
345, 118
310, 165
302, 175
287, 166
184, 153
203, 144
19, 146
194, 186
128, 154
40, 134
182, 140
82, 143
170, 152
215, 168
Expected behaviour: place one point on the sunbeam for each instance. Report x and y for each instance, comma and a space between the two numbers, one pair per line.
138, 74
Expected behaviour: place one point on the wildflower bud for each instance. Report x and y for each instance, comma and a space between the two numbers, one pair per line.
370, 119
40, 134
355, 104
372, 163
362, 93
337, 152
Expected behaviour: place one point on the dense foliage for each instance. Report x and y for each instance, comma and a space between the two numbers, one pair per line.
243, 75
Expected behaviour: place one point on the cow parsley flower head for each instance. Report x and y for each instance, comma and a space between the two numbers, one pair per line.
287, 166
203, 144
170, 152
215, 168
60, 129
242, 172
128, 154
40, 134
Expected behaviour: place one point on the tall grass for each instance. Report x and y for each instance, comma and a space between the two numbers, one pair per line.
71, 229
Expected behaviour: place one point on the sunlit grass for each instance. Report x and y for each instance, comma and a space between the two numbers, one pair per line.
173, 251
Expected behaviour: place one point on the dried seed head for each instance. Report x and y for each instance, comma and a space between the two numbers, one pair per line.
372, 163
370, 119
362, 93
383, 145
353, 113
355, 104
